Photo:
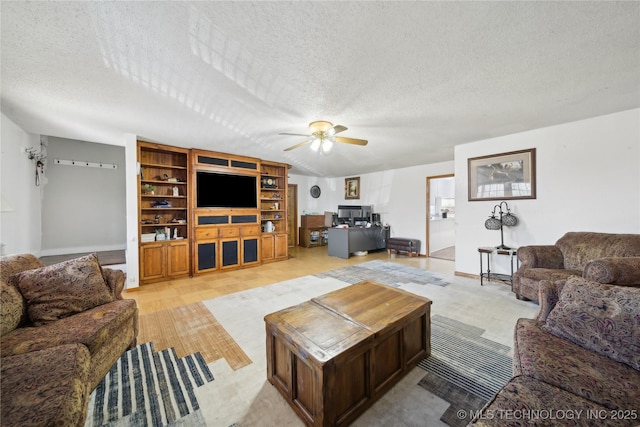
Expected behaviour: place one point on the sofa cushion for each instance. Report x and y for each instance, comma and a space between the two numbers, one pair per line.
623, 271
11, 308
527, 402
578, 248
63, 289
46, 387
566, 365
602, 318
94, 328
549, 274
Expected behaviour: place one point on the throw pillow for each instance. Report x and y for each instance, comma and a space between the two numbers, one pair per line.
600, 317
63, 289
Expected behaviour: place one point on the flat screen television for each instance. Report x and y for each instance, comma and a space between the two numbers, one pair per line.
218, 190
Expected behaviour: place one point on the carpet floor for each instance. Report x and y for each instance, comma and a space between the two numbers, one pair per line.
243, 396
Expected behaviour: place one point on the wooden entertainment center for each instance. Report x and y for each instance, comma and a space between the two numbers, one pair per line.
202, 212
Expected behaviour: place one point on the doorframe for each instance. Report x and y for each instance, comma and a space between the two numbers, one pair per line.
292, 213
429, 178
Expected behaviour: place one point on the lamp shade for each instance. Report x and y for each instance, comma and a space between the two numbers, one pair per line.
493, 223
509, 219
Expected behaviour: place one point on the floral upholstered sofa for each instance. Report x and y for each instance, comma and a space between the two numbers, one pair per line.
62, 328
577, 363
595, 256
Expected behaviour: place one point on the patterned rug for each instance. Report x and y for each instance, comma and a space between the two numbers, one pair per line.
464, 369
387, 273
148, 388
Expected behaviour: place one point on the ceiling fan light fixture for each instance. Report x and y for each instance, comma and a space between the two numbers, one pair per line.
320, 126
326, 145
315, 144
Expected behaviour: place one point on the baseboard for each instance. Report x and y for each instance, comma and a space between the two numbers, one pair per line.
81, 250
469, 275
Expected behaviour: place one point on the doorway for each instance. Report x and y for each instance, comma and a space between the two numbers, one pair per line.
441, 212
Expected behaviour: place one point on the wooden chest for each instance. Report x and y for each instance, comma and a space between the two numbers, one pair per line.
333, 356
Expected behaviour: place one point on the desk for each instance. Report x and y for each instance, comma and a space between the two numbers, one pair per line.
345, 241
505, 278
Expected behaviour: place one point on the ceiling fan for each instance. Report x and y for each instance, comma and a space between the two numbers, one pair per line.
323, 135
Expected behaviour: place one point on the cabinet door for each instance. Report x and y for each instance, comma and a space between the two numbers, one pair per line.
152, 257
281, 245
250, 250
230, 253
178, 259
207, 256
267, 247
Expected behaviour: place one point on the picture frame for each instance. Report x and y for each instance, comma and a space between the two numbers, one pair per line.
352, 188
503, 176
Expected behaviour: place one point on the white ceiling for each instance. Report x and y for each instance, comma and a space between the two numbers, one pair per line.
414, 78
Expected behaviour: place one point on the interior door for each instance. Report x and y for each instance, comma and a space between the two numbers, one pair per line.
292, 214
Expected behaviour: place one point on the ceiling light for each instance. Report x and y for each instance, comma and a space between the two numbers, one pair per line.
315, 144
326, 145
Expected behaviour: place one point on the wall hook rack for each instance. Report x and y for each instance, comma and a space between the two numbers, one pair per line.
85, 164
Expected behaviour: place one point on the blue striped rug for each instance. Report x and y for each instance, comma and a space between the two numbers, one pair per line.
149, 388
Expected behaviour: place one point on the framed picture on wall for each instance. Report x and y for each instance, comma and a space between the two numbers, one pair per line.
352, 188
504, 176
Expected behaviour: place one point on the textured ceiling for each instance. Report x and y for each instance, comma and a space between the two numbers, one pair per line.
414, 78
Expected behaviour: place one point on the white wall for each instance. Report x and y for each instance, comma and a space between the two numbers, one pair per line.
398, 195
588, 179
83, 208
20, 228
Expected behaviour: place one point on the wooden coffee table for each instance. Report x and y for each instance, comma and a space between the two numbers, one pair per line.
333, 356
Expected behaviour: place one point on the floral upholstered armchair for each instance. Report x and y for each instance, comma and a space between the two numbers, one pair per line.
600, 257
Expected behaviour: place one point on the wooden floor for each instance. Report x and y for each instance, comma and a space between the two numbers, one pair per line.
172, 315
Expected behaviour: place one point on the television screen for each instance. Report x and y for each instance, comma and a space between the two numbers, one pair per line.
217, 190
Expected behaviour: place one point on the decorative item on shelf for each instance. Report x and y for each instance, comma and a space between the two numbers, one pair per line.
162, 204
158, 219
176, 192
149, 189
160, 234
506, 219
268, 182
147, 237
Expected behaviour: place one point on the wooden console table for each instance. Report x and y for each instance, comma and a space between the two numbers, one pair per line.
332, 357
505, 278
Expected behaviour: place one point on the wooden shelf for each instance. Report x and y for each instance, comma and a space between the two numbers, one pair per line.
163, 166
169, 258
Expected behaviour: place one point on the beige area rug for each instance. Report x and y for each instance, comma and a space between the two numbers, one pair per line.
244, 397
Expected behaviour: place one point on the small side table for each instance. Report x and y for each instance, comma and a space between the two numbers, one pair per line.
505, 278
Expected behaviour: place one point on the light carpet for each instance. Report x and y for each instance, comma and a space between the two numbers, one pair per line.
245, 398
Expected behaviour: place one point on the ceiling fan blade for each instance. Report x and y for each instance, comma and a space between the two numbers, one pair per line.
353, 141
338, 129
294, 134
302, 144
